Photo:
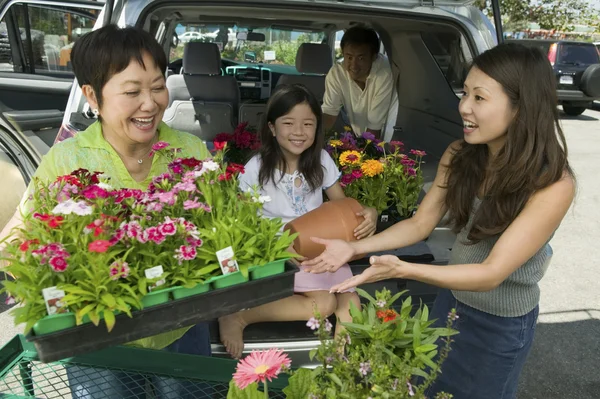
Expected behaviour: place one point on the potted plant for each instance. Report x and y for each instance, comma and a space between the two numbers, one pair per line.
238, 146
387, 352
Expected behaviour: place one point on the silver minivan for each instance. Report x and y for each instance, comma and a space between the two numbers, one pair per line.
428, 45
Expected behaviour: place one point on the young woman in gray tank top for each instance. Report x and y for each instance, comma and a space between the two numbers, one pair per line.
506, 187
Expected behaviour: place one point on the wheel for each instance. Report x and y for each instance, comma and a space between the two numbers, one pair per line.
573, 110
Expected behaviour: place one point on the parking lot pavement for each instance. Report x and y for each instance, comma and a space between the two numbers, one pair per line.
565, 358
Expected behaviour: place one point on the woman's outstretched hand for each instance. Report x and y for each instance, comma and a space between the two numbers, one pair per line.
382, 268
337, 253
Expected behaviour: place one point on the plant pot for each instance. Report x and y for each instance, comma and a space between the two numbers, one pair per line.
267, 270
182, 292
228, 280
55, 322
86, 318
156, 297
332, 220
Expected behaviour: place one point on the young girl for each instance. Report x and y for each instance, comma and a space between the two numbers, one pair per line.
293, 169
507, 186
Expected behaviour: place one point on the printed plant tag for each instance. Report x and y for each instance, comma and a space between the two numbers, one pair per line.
52, 297
152, 273
226, 261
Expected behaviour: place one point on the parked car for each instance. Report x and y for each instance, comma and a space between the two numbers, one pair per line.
189, 36
577, 69
428, 48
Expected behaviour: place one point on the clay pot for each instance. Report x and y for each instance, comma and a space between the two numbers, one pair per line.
332, 220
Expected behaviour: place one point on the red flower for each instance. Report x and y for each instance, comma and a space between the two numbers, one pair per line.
219, 145
25, 245
347, 179
58, 263
53, 221
225, 176
69, 179
99, 246
234, 168
387, 315
223, 138
357, 173
191, 162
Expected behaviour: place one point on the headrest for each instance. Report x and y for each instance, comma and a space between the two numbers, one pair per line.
201, 59
314, 58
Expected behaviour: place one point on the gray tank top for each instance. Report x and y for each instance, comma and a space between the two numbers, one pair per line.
518, 294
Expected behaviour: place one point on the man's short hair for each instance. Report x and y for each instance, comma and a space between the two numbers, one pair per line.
99, 55
360, 35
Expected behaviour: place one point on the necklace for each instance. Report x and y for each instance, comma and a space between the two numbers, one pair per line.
139, 160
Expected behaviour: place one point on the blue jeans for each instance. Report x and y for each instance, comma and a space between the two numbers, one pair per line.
91, 383
487, 356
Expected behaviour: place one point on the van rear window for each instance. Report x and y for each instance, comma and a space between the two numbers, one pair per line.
577, 54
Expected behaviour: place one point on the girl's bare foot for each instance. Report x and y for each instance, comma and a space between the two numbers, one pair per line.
231, 331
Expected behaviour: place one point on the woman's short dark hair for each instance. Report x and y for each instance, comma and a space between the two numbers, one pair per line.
99, 55
281, 103
533, 157
360, 35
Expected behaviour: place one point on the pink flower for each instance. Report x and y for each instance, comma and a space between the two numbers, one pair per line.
191, 204
194, 242
161, 145
118, 236
58, 264
99, 246
92, 192
132, 229
155, 235
166, 198
411, 171
119, 270
185, 185
357, 173
408, 162
347, 179
185, 252
167, 229
418, 153
260, 366
396, 145
154, 207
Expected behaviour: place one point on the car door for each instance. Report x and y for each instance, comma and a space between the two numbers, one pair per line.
36, 38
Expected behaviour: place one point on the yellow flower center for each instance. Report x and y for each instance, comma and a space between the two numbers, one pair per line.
261, 369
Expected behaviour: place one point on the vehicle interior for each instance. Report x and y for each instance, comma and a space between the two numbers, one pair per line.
222, 79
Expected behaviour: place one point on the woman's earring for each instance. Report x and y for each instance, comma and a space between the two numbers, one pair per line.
95, 112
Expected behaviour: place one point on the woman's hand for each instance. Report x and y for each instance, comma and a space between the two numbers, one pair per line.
337, 253
369, 225
382, 268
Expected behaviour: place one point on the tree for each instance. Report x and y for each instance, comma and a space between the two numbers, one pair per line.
561, 15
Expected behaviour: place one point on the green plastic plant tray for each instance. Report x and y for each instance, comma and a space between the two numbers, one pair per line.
22, 375
182, 292
228, 280
270, 269
55, 322
157, 297
164, 317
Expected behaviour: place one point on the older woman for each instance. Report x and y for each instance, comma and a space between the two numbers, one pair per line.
122, 75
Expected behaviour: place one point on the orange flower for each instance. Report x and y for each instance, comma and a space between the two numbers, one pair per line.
387, 315
372, 167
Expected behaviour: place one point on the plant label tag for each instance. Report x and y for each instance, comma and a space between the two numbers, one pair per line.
53, 299
154, 273
226, 262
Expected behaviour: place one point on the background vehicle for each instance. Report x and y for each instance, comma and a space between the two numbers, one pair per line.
428, 49
577, 69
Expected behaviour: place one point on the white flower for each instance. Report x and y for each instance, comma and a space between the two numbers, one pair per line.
199, 173
70, 206
104, 186
210, 165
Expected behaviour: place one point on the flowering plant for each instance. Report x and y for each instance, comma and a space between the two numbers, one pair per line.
96, 243
238, 146
386, 352
378, 174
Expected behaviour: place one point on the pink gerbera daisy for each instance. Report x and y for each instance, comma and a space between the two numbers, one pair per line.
260, 366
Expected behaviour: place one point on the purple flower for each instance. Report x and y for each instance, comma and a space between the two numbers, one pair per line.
365, 368
313, 323
328, 325
368, 136
452, 315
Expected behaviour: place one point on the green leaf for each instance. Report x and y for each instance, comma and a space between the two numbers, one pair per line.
356, 313
109, 300
416, 335
426, 348
335, 379
365, 294
109, 319
250, 392
425, 315
427, 361
363, 327
299, 384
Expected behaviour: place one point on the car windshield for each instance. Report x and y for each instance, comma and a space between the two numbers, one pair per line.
578, 54
248, 45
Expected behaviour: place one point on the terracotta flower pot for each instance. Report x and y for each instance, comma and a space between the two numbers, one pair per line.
332, 220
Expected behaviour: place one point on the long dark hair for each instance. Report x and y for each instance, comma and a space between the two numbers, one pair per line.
281, 103
533, 157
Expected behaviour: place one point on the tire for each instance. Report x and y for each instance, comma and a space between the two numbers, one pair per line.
590, 81
573, 110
